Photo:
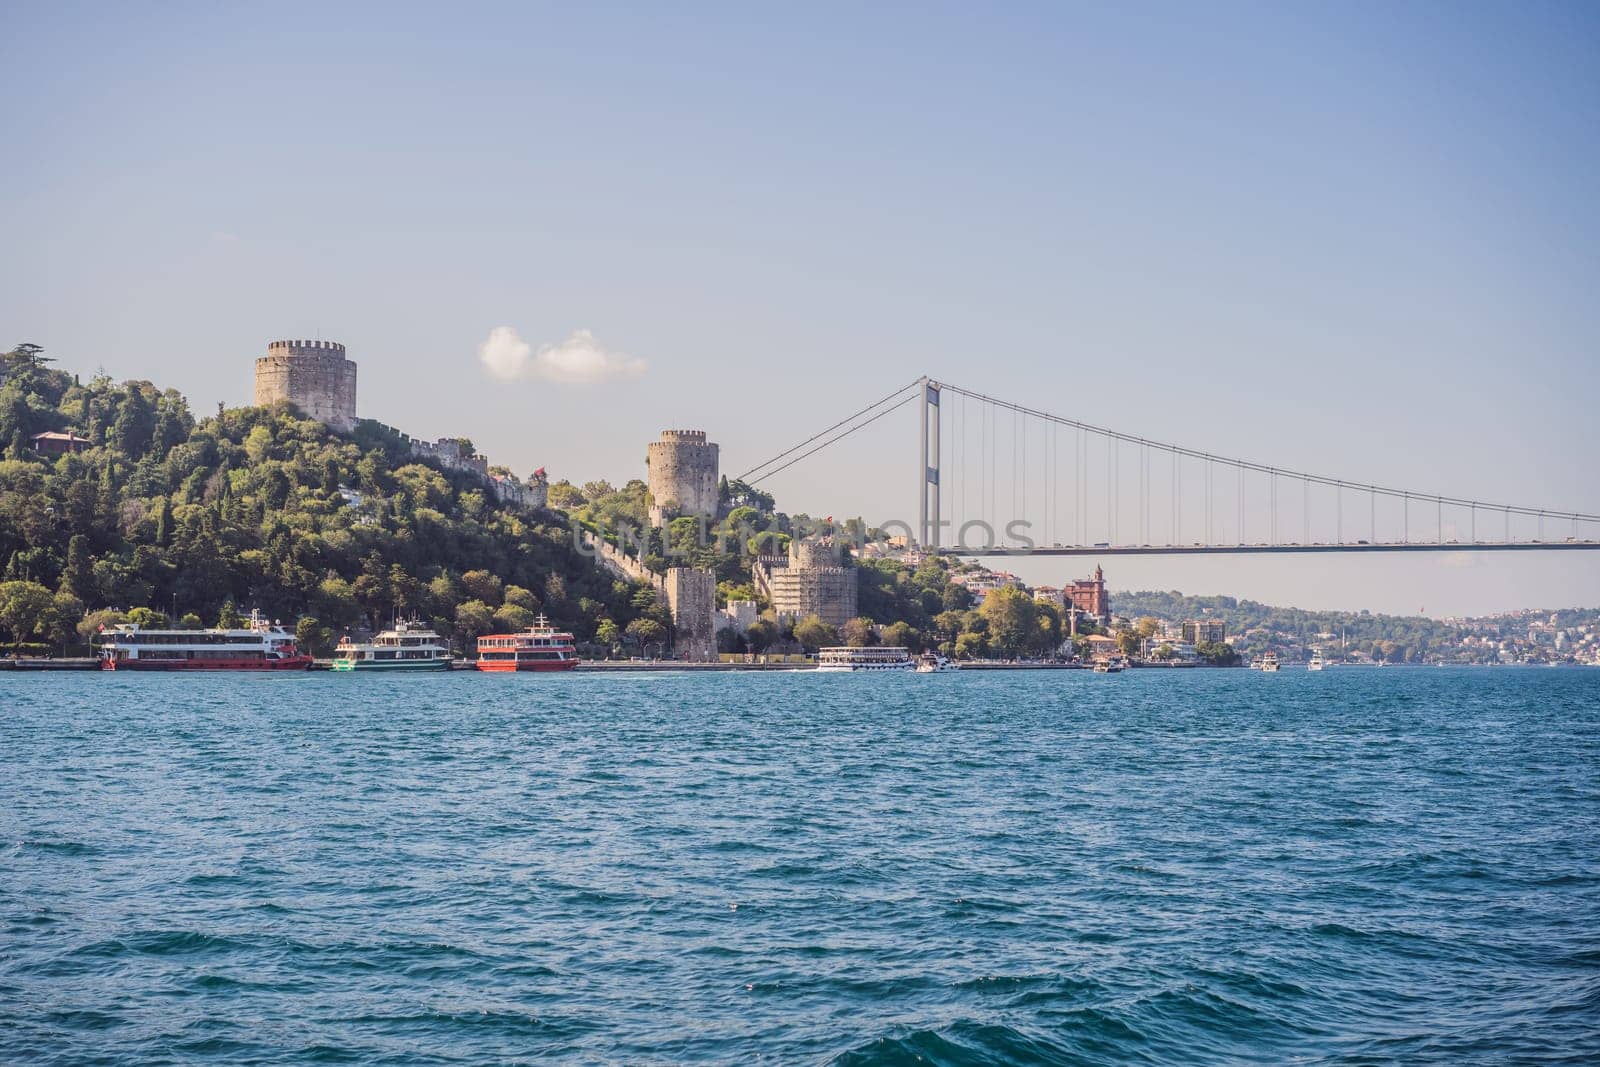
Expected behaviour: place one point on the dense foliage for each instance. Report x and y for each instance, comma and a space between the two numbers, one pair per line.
259, 508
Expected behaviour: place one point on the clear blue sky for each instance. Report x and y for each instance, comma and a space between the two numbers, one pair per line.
1358, 238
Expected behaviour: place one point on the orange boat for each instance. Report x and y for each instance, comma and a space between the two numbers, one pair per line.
540, 647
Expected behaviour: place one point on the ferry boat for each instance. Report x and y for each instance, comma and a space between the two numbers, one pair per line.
1269, 662
540, 647
261, 646
933, 663
882, 658
410, 646
1317, 662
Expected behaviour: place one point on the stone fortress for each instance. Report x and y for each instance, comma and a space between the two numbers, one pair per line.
314, 376
320, 380
810, 580
681, 472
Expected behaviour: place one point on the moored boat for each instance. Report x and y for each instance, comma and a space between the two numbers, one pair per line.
540, 647
880, 658
1317, 662
1269, 662
934, 663
410, 646
260, 646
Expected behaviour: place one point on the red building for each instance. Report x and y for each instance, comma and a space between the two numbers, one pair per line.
55, 444
1089, 596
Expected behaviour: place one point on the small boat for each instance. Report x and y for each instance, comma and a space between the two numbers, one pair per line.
1269, 662
933, 663
1255, 662
1114, 665
881, 658
540, 647
410, 646
1317, 662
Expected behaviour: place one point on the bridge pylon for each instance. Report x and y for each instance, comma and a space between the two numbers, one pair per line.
928, 476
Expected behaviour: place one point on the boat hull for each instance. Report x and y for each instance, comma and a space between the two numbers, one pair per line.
364, 666
293, 663
537, 666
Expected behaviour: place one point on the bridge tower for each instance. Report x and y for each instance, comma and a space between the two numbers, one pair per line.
928, 477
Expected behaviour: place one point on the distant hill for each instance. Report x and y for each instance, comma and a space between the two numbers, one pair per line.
164, 514
1394, 638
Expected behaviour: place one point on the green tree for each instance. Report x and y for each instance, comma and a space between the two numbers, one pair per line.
483, 586
645, 632
813, 633
1013, 620
902, 635
148, 618
313, 638
971, 646
228, 617
761, 635
859, 633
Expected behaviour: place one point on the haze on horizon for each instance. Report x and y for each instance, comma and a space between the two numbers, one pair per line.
1361, 242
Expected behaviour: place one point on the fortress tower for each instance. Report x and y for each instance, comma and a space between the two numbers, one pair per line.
314, 376
682, 475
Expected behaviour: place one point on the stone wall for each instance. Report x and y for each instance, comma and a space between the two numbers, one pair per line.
690, 594
811, 580
314, 376
682, 473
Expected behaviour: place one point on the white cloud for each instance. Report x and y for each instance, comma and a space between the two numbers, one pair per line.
504, 354
579, 360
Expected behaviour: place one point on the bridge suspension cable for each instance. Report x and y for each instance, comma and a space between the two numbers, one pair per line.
1247, 465
846, 421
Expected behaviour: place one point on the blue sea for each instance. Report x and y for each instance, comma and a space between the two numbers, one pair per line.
1158, 867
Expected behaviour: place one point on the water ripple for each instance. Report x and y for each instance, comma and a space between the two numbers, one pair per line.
1009, 868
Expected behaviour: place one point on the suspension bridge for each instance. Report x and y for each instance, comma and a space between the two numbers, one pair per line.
999, 478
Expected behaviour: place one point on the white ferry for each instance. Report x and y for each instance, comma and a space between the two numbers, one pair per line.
882, 658
1317, 662
410, 646
1269, 662
261, 646
933, 663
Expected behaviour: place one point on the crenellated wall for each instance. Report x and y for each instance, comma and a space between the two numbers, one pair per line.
682, 473
314, 376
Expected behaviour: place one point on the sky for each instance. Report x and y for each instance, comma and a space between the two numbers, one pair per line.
1355, 239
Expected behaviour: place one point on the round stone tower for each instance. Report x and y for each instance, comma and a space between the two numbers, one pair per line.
314, 376
682, 475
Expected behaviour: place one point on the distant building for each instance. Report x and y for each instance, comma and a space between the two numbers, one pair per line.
51, 443
811, 580
1101, 646
1205, 631
1049, 594
981, 583
1089, 596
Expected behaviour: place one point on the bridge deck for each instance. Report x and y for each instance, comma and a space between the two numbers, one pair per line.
1264, 550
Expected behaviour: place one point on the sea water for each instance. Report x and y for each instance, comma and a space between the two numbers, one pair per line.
1356, 866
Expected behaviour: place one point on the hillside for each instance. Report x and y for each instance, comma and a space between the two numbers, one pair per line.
164, 514
1518, 637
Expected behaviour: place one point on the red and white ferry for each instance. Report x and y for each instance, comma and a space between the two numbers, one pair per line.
262, 646
540, 647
